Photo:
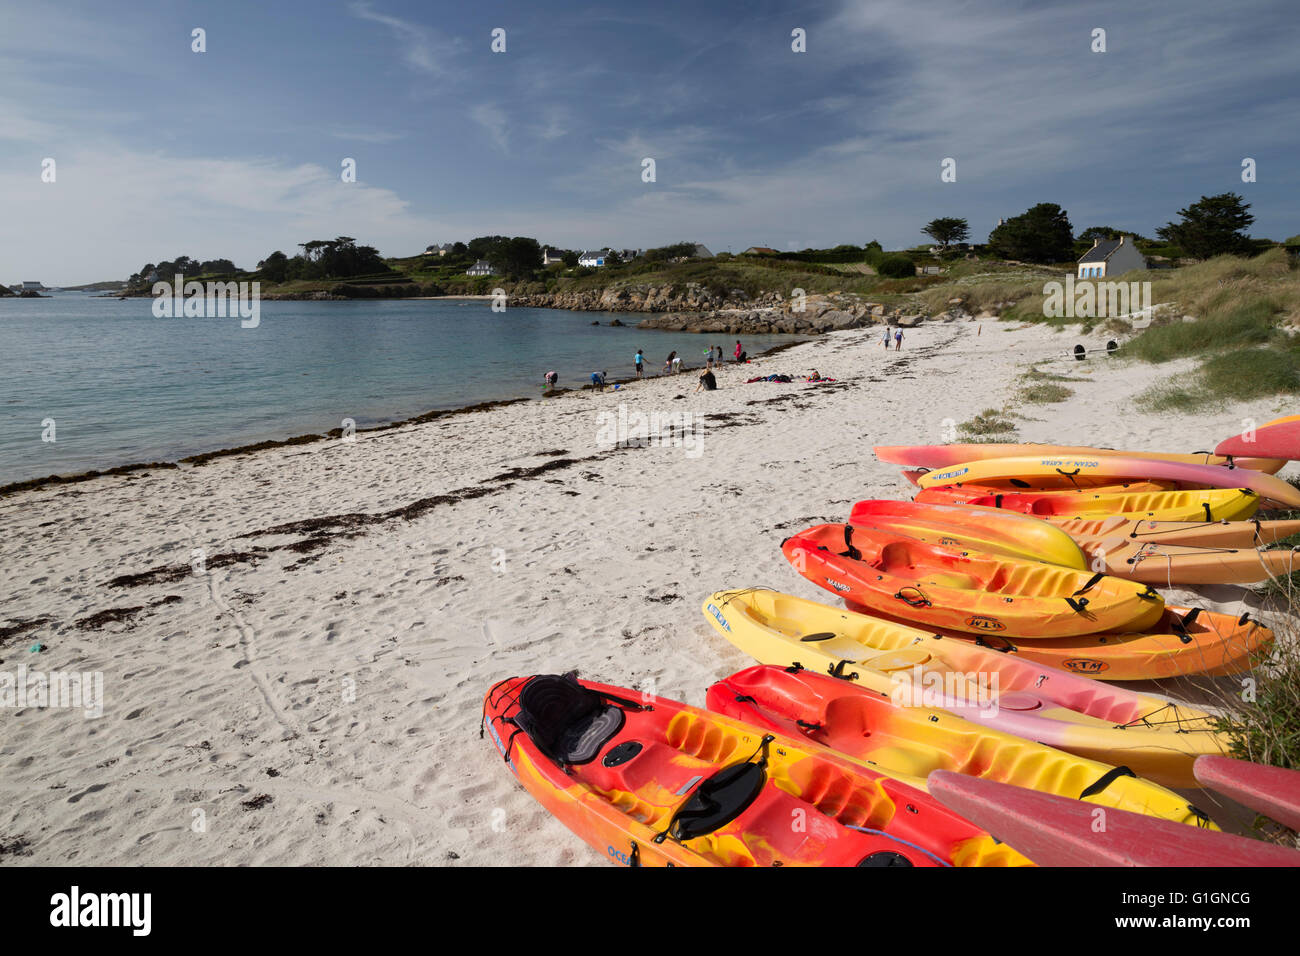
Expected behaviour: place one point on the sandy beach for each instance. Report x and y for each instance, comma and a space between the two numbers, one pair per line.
294, 644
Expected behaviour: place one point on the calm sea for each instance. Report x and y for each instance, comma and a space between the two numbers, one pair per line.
122, 386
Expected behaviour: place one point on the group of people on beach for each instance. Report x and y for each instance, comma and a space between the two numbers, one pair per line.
673, 363
897, 335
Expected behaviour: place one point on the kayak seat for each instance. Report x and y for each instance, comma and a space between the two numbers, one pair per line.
568, 723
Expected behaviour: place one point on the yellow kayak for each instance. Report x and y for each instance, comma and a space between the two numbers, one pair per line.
1071, 712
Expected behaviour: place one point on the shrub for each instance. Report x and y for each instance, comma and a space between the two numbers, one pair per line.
896, 267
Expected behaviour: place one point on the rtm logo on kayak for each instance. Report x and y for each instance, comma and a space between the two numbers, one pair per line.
982, 623
842, 588
1084, 665
717, 615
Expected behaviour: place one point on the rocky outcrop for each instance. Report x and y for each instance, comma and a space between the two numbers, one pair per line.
694, 308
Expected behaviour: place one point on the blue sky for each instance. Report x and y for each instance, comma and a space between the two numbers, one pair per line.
236, 152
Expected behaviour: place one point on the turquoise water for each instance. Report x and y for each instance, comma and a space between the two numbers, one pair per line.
123, 386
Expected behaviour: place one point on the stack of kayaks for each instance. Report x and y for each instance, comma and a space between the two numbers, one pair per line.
956, 710
1155, 738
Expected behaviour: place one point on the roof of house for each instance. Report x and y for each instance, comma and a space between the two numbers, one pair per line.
702, 252
762, 250
1102, 250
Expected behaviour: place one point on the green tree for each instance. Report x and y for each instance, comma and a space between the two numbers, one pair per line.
1214, 226
947, 231
570, 259
1042, 234
275, 267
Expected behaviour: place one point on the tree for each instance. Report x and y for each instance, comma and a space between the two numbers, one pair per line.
570, 259
896, 267
1042, 234
1214, 226
947, 231
275, 267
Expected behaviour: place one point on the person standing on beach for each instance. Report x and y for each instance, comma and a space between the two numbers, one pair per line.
898, 340
740, 352
708, 358
888, 336
639, 362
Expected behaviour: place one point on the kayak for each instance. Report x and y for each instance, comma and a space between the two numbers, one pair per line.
1055, 831
1049, 473
1272, 791
1205, 534
990, 530
1171, 565
1094, 485
1215, 504
903, 737
943, 456
648, 781
1279, 439
968, 591
1156, 739
1183, 643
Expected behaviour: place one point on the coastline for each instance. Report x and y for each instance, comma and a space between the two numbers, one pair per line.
202, 458
297, 641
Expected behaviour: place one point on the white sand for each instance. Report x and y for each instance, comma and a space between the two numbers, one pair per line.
356, 678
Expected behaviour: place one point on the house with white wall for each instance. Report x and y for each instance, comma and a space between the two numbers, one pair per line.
480, 268
1110, 257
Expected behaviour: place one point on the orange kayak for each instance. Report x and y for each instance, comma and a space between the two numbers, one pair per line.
647, 781
1171, 565
1196, 534
966, 591
943, 456
1183, 643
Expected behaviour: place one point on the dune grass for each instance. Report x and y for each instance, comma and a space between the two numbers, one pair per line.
990, 425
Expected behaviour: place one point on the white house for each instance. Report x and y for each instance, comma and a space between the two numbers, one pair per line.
1112, 257
480, 268
32, 287
438, 250
592, 259
551, 256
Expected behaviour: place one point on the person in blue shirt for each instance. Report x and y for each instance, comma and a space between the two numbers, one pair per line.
640, 360
598, 381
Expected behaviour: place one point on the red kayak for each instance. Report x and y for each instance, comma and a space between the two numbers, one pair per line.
1057, 831
651, 782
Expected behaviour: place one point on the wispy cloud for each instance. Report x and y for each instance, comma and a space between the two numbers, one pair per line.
420, 49
493, 120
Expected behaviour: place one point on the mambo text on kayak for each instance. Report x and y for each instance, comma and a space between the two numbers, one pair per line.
103, 909
210, 300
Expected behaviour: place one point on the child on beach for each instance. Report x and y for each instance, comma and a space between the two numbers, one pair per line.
888, 331
898, 340
598, 381
708, 358
740, 352
677, 364
639, 360
550, 378
707, 381
668, 362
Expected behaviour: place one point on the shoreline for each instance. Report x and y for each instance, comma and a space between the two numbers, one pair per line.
202, 458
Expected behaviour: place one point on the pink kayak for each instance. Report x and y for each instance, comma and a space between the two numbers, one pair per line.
941, 456
1279, 441
1057, 831
1065, 470
1272, 791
